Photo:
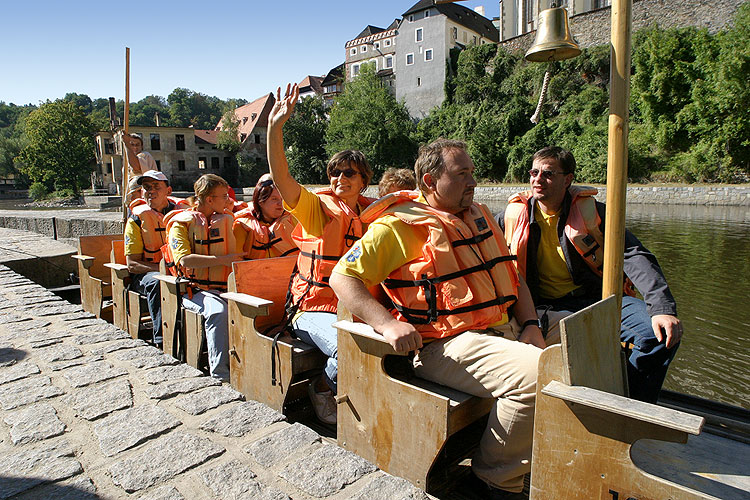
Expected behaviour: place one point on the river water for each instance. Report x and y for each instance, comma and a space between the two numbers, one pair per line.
705, 255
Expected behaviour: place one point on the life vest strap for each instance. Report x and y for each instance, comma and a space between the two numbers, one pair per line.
391, 283
314, 256
430, 315
266, 246
208, 241
312, 282
290, 251
474, 240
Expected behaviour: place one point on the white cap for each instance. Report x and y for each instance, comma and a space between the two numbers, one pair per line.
153, 174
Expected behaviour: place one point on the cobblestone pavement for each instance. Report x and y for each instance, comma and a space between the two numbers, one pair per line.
87, 412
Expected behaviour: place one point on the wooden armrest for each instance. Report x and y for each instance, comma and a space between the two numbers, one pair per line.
86, 260
361, 329
248, 300
631, 408
172, 280
121, 270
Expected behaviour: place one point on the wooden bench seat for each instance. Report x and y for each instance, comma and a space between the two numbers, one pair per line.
96, 290
256, 297
401, 426
129, 309
590, 441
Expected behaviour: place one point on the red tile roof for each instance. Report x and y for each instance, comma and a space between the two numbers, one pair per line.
253, 114
313, 83
208, 136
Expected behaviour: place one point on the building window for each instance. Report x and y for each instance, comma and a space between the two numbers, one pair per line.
179, 141
376, 45
181, 165
387, 42
418, 35
155, 142
428, 55
227, 162
466, 37
454, 33
474, 40
353, 51
411, 18
215, 163
202, 163
256, 137
355, 70
427, 13
409, 59
109, 168
158, 165
419, 82
388, 61
363, 49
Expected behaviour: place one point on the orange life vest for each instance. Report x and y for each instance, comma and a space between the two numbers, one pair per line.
310, 290
273, 240
464, 279
151, 223
581, 229
208, 236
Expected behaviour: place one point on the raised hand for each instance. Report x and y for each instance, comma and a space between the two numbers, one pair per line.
283, 107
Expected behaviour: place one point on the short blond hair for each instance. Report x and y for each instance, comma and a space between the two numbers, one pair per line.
205, 184
396, 179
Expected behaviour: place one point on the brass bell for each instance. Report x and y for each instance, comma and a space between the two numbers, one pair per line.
553, 40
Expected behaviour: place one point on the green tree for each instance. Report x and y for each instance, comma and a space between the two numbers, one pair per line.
305, 141
60, 148
368, 118
228, 139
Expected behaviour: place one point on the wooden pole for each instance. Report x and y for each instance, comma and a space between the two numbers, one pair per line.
126, 119
617, 153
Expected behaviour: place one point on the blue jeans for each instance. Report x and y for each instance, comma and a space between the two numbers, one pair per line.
148, 285
216, 315
314, 328
647, 362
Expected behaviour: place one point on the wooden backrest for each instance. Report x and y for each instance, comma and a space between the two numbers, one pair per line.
590, 341
267, 279
118, 252
99, 247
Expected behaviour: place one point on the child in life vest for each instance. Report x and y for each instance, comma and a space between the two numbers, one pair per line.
202, 247
396, 179
264, 229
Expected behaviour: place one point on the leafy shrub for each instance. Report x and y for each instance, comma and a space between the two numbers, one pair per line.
38, 191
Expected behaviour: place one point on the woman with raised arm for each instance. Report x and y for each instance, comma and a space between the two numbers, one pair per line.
329, 224
264, 229
202, 249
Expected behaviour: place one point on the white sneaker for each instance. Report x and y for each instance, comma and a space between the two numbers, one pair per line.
323, 403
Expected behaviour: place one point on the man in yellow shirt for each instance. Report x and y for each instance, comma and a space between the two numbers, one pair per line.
443, 263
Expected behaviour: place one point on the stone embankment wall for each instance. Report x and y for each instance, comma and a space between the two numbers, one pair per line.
86, 412
593, 28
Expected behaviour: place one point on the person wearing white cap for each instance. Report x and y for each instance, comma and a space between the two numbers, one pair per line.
144, 236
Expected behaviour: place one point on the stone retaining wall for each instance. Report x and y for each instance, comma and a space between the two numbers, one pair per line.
593, 28
86, 412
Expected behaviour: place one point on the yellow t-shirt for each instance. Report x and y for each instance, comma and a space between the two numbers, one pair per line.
133, 238
388, 244
555, 280
179, 240
309, 213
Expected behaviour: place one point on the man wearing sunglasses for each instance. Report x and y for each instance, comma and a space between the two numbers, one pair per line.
556, 230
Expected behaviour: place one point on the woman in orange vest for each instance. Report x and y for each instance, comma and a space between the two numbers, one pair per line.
264, 229
202, 247
329, 225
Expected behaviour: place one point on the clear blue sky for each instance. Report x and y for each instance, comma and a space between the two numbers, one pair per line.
220, 48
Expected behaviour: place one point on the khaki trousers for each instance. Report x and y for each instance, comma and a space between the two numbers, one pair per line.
485, 364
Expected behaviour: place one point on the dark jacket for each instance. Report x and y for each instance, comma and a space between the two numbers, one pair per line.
640, 265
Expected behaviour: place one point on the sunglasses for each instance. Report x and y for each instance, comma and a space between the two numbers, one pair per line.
266, 183
348, 173
547, 174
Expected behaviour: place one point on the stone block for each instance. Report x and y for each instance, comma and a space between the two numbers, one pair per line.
90, 373
182, 386
102, 399
153, 361
77, 487
34, 423
206, 399
62, 365
235, 480
327, 470
125, 429
81, 323
274, 448
162, 493
163, 459
52, 310
164, 373
118, 345
60, 352
240, 419
16, 371
387, 487
35, 465
104, 334
26, 391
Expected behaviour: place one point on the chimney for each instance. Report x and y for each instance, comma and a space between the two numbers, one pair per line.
479, 9
157, 119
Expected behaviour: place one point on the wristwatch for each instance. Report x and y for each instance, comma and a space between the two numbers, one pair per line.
530, 322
